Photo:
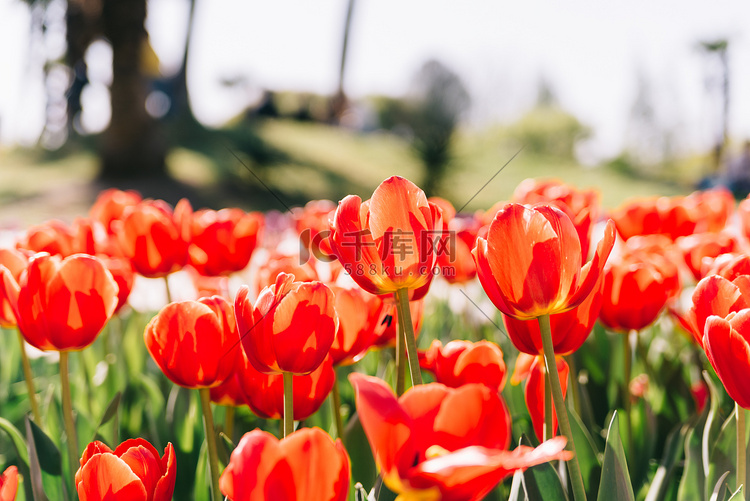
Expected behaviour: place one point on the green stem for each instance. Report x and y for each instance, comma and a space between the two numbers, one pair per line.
213, 457
229, 422
404, 317
336, 402
741, 447
574, 469
628, 365
400, 360
69, 423
166, 285
288, 404
29, 381
548, 426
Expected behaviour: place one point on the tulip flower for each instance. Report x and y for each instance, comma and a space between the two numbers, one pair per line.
154, 237
290, 328
730, 266
714, 207
223, 241
312, 224
636, 289
530, 262
278, 263
533, 370
463, 362
9, 484
194, 343
306, 465
714, 295
425, 449
110, 206
387, 242
454, 258
582, 206
701, 249
134, 471
670, 216
727, 344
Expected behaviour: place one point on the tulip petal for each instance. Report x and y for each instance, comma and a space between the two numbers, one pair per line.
105, 477
729, 354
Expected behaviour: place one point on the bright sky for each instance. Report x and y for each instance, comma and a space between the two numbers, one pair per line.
590, 51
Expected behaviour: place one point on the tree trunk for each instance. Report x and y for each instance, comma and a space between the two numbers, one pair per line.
133, 145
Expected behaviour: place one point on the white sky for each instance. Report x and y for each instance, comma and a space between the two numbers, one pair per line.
590, 51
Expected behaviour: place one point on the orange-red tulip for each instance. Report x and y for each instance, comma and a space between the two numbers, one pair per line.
61, 304
290, 328
532, 369
124, 275
223, 241
700, 249
9, 484
312, 224
582, 206
57, 238
454, 255
727, 344
714, 208
358, 313
194, 343
111, 204
154, 237
13, 262
730, 266
388, 242
463, 362
670, 216
530, 263
424, 447
134, 471
306, 465
569, 328
714, 295
637, 286
264, 393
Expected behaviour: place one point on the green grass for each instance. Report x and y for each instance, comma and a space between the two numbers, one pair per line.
321, 162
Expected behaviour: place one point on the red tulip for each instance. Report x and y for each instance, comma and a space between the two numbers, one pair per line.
424, 447
714, 295
582, 206
670, 216
155, 238
290, 328
727, 344
9, 484
730, 266
312, 224
388, 242
637, 286
277, 263
223, 241
530, 263
569, 329
13, 262
124, 276
533, 370
264, 393
463, 362
110, 206
700, 249
454, 258
57, 238
134, 471
194, 343
306, 465
358, 313
61, 304
714, 208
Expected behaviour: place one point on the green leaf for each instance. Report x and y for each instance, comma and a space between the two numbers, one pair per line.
713, 422
201, 476
360, 455
587, 452
49, 455
225, 447
672, 454
183, 416
542, 481
35, 470
112, 408
723, 455
693, 478
615, 481
18, 442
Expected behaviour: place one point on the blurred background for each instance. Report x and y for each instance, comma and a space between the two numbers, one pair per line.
266, 104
